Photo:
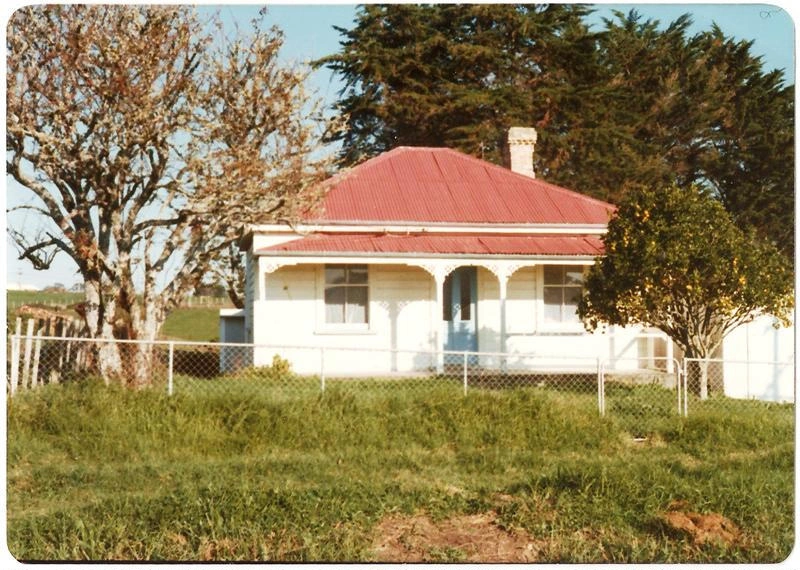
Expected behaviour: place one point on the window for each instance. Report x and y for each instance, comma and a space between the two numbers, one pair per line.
562, 291
346, 294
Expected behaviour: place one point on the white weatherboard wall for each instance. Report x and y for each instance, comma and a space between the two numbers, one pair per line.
528, 334
403, 317
250, 277
759, 362
400, 317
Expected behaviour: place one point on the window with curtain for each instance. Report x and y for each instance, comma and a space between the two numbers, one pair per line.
563, 285
346, 294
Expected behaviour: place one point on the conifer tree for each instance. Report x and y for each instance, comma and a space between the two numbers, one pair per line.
456, 75
635, 103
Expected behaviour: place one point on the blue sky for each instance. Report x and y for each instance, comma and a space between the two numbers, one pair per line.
309, 34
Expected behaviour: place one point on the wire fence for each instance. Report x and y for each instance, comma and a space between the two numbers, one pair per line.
727, 381
637, 392
641, 391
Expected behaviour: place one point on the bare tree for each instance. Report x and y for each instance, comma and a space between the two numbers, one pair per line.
228, 271
145, 141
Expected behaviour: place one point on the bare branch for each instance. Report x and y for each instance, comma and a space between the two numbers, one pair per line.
150, 147
42, 251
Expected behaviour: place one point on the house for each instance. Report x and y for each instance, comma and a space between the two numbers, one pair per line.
758, 361
422, 251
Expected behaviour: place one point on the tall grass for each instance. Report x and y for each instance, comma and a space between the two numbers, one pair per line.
99, 473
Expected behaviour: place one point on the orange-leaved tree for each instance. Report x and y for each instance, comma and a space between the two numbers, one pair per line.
674, 259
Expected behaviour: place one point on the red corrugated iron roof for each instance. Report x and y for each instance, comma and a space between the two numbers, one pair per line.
451, 244
420, 184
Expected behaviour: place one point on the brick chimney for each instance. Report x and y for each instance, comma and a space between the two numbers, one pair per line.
519, 150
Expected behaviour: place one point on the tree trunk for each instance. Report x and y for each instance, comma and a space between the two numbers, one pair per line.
697, 380
108, 359
144, 359
235, 297
703, 379
147, 323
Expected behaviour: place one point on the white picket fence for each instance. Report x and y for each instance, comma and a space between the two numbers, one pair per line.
206, 301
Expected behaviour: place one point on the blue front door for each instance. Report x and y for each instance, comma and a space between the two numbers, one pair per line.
460, 310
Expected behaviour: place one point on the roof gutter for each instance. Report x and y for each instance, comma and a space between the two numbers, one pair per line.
335, 255
378, 227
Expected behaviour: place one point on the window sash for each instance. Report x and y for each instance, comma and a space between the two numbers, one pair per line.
346, 294
563, 285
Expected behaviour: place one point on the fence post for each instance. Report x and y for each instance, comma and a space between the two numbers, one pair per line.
15, 342
26, 365
601, 388
685, 389
670, 365
62, 350
465, 373
599, 395
322, 368
37, 352
170, 386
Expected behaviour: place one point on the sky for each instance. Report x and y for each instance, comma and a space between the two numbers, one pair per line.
310, 34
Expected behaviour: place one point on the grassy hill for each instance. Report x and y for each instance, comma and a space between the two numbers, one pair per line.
200, 324
197, 323
101, 473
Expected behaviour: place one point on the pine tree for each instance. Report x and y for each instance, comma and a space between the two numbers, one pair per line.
688, 110
749, 158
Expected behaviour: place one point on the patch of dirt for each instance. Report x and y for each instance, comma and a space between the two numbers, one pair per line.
466, 538
710, 528
688, 461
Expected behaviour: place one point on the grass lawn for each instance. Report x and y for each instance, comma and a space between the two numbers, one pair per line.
17, 298
198, 324
97, 473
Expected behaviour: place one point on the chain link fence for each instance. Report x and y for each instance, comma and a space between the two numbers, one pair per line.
726, 384
639, 393
286, 372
